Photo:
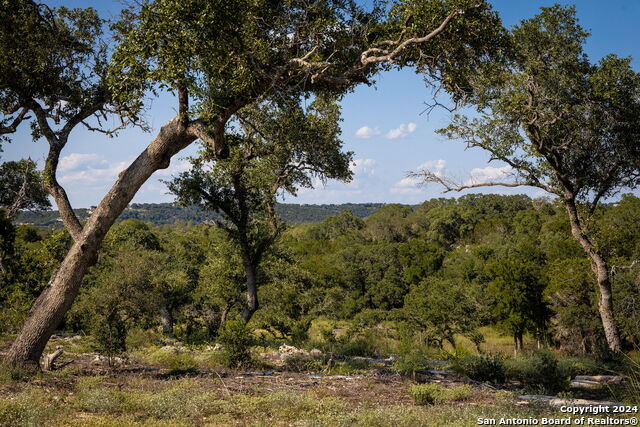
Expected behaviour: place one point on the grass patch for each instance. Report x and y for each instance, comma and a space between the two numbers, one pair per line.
29, 408
174, 361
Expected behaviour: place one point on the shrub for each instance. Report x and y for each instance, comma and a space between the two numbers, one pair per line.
236, 341
175, 361
429, 394
110, 334
140, 338
412, 356
539, 370
299, 363
573, 366
356, 347
483, 367
180, 363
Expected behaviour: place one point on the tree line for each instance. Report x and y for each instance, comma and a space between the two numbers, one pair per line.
439, 271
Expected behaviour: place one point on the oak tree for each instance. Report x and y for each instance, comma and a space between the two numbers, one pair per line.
217, 57
562, 124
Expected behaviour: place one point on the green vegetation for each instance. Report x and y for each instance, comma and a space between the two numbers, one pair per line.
429, 394
239, 312
170, 213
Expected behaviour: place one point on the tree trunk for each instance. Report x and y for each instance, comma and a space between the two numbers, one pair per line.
49, 309
251, 306
520, 343
601, 270
166, 319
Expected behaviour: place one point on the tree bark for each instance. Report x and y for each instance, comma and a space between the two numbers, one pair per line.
49, 309
251, 305
166, 319
601, 270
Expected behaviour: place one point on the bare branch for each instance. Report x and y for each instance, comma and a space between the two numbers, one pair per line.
21, 196
426, 176
615, 268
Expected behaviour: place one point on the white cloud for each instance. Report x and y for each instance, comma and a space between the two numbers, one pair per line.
407, 185
76, 160
488, 174
365, 132
176, 166
411, 185
435, 166
99, 173
363, 167
401, 131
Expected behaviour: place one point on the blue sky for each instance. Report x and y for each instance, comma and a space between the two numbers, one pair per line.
383, 125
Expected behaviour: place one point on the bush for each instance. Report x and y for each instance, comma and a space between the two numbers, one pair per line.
110, 334
429, 394
412, 356
139, 338
483, 367
175, 361
299, 363
573, 366
539, 370
180, 363
236, 341
357, 347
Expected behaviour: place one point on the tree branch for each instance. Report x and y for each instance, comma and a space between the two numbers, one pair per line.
16, 121
615, 268
365, 59
450, 185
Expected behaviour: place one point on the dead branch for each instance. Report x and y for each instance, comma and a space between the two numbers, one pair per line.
49, 359
426, 176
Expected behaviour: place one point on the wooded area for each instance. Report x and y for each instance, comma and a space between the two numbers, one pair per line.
258, 86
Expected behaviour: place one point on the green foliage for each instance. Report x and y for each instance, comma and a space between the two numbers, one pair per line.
481, 367
181, 363
21, 187
429, 394
540, 370
236, 339
29, 408
109, 333
300, 363
94, 397
441, 308
518, 282
413, 354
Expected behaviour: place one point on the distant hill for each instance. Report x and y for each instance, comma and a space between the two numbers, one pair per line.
167, 213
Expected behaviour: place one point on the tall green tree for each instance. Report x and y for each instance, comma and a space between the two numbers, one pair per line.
279, 148
562, 124
518, 283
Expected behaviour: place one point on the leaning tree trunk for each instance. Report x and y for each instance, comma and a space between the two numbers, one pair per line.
49, 309
601, 270
251, 305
